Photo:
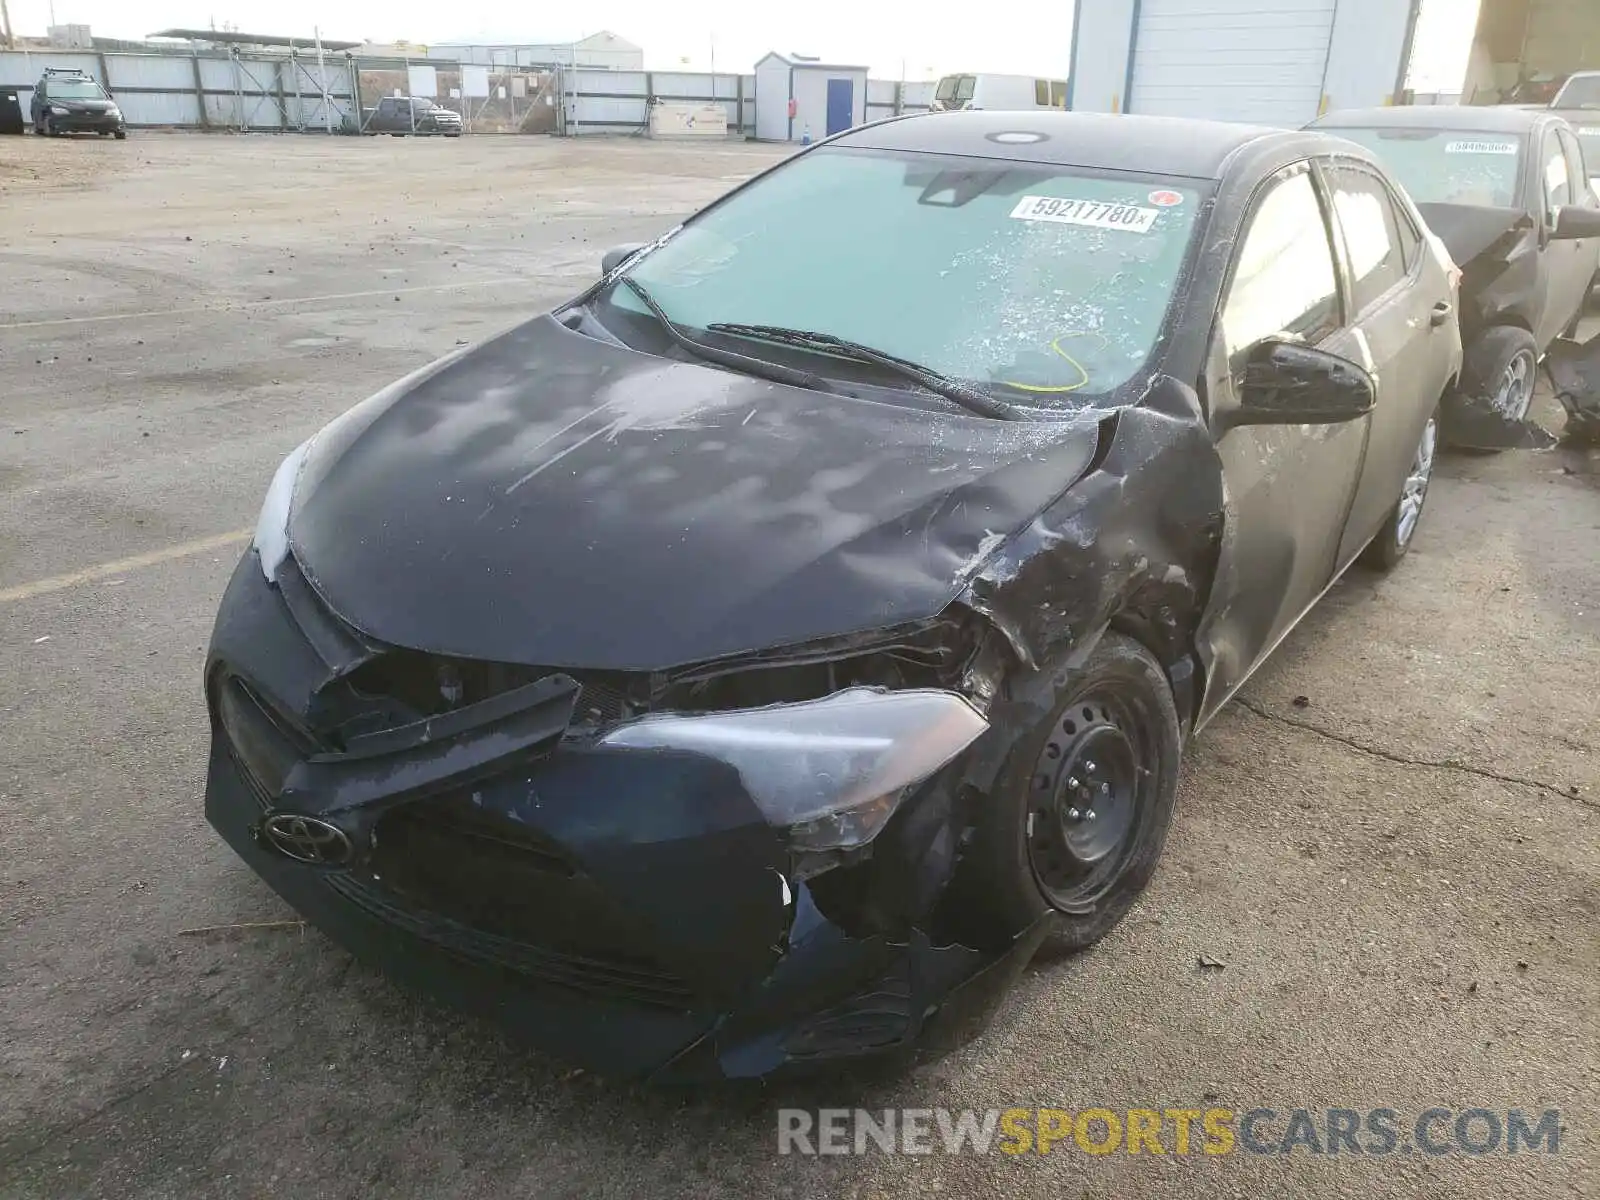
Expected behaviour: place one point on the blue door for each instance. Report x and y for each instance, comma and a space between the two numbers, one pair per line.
841, 105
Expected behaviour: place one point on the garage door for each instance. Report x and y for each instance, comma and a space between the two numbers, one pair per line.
1232, 60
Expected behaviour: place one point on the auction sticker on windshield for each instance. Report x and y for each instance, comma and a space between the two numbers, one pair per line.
1097, 214
1481, 148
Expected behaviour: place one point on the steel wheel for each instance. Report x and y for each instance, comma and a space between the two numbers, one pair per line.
1091, 799
1514, 396
1416, 485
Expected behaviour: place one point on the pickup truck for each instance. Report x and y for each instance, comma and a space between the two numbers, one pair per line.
400, 115
1579, 102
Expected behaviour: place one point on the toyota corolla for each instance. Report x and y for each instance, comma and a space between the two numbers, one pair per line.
753, 663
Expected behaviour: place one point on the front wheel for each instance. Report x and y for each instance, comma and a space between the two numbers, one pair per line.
1080, 811
1502, 367
122, 135
1387, 549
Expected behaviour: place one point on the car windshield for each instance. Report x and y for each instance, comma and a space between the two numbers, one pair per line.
73, 89
1448, 166
1582, 91
1049, 285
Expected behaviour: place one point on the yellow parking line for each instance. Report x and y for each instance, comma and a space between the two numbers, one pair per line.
57, 583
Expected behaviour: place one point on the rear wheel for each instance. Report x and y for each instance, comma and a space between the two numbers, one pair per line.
1079, 814
1387, 549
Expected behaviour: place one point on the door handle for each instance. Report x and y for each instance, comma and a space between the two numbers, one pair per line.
1441, 313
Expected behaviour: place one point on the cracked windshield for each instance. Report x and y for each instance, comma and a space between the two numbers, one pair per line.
1045, 285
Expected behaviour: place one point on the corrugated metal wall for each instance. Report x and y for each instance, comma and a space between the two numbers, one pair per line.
244, 91
597, 101
262, 91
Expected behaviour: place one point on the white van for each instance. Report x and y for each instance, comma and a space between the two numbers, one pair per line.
998, 92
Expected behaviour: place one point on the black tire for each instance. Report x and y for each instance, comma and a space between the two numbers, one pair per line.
1490, 357
122, 135
1386, 550
1117, 707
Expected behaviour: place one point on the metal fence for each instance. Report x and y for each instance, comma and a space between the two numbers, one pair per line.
208, 89
298, 90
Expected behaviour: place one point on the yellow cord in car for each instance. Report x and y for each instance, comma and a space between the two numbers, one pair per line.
1056, 346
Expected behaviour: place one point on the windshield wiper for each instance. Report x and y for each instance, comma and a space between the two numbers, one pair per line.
970, 398
727, 358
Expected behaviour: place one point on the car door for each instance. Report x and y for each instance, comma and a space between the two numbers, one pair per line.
1568, 265
1586, 197
1401, 309
1289, 487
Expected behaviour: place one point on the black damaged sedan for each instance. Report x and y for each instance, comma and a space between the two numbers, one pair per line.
753, 663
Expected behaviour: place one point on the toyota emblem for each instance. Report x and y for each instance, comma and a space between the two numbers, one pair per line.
307, 839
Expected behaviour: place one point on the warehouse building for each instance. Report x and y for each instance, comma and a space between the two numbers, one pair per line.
1282, 62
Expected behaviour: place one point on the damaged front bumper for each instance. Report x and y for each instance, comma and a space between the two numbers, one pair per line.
631, 910
1575, 371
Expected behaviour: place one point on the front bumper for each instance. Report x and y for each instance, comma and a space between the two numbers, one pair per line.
85, 122
627, 910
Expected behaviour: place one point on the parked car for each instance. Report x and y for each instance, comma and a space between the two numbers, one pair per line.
955, 93
400, 115
1578, 102
799, 629
71, 101
1506, 190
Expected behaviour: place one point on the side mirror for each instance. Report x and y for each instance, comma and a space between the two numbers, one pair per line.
1574, 221
1289, 384
617, 255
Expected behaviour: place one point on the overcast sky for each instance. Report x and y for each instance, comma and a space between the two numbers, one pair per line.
1031, 37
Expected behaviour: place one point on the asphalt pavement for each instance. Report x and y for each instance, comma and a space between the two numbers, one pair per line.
1387, 853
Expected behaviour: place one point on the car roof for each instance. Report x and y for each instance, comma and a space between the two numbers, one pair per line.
1468, 118
1098, 141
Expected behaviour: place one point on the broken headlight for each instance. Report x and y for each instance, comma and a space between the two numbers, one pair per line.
829, 772
272, 526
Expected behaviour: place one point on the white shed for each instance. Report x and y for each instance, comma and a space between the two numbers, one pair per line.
800, 98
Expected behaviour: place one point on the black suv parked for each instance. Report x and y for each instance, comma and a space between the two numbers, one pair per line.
70, 101
401, 115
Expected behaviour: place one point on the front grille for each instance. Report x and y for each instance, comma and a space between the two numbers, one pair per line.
432, 832
635, 982
480, 883
263, 741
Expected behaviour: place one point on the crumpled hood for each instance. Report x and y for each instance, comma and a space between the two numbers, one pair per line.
550, 499
1467, 230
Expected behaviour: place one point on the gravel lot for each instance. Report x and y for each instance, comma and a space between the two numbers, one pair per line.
1401, 873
